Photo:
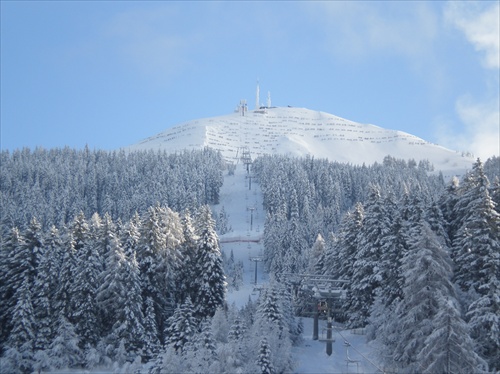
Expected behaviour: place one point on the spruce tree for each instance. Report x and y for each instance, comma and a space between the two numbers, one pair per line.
112, 290
484, 320
45, 287
148, 256
264, 358
64, 350
449, 348
367, 267
152, 344
186, 276
317, 257
210, 286
202, 355
427, 271
477, 241
8, 286
20, 344
181, 327
237, 330
88, 267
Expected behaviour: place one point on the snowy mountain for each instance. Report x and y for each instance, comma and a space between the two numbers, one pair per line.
301, 132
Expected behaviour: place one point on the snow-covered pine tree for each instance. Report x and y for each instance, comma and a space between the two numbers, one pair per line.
210, 285
8, 286
495, 193
220, 325
151, 244
237, 331
201, 355
119, 297
434, 217
45, 287
19, 346
64, 350
449, 348
475, 250
476, 244
24, 250
270, 310
264, 362
447, 203
296, 251
484, 318
186, 275
317, 257
88, 267
368, 271
152, 344
111, 289
128, 325
181, 327
280, 346
427, 271
63, 293
275, 241
348, 241
394, 247
222, 222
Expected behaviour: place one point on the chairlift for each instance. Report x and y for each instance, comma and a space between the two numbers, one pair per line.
322, 306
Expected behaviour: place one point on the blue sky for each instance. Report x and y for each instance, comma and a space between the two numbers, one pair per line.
108, 74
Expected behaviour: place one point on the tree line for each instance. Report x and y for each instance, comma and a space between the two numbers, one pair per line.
55, 185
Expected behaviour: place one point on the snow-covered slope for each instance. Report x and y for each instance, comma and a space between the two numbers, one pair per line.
300, 132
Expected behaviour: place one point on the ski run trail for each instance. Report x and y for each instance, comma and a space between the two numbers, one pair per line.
246, 216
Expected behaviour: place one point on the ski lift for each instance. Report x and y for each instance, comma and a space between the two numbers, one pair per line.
322, 306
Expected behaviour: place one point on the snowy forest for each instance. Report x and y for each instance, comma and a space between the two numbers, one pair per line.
112, 260
421, 260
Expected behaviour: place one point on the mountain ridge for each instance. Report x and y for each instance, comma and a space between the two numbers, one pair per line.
300, 132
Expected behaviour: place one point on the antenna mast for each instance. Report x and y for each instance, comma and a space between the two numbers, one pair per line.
257, 97
268, 99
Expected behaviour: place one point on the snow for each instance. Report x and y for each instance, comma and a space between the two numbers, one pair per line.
243, 240
310, 354
312, 358
300, 132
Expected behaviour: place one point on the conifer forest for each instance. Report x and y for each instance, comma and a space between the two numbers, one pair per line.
112, 260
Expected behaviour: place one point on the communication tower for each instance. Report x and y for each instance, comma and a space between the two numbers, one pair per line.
257, 97
242, 107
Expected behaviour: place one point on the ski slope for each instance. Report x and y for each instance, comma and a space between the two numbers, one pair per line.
244, 241
301, 132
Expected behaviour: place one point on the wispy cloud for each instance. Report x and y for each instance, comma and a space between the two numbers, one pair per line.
146, 40
480, 23
481, 130
361, 29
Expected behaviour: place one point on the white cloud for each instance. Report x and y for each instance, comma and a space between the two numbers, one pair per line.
481, 128
482, 121
480, 23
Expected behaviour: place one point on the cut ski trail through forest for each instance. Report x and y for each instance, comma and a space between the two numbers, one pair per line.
243, 203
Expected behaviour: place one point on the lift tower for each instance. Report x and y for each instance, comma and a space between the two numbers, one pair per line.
329, 296
246, 158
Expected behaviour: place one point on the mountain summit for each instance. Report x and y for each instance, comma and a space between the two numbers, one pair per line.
301, 132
